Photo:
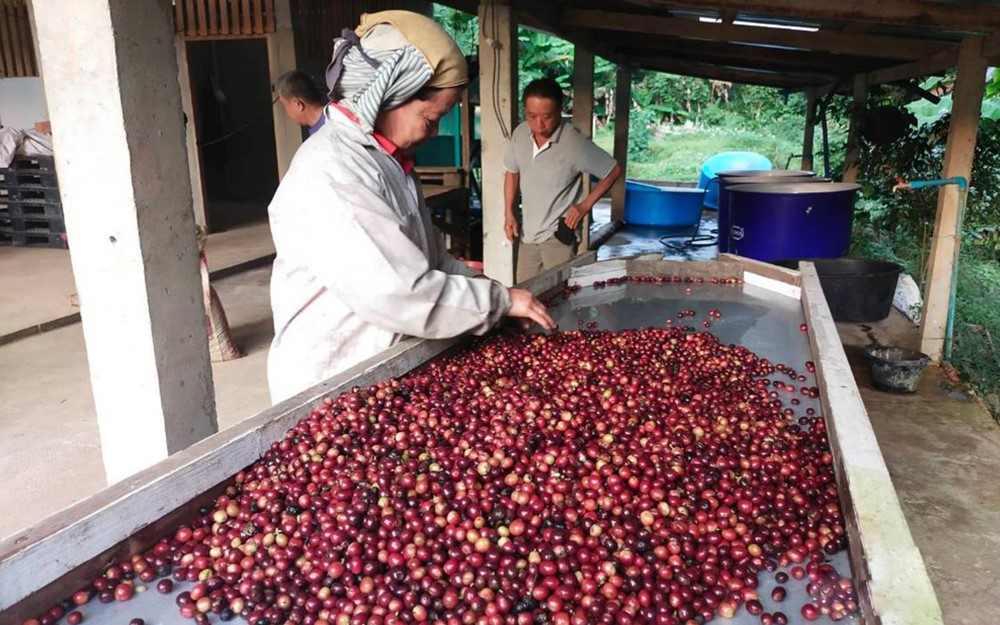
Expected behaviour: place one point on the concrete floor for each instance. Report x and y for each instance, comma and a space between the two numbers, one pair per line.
943, 452
37, 288
941, 447
48, 427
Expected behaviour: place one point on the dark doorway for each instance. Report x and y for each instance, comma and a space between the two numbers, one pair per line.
231, 88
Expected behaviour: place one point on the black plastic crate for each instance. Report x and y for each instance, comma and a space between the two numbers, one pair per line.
33, 163
35, 192
38, 178
37, 224
33, 239
32, 208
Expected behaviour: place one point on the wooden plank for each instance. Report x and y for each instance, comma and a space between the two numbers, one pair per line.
583, 120
213, 16
202, 18
865, 45
934, 64
756, 56
809, 130
623, 108
466, 113
14, 26
6, 41
655, 265
31, 62
934, 16
733, 71
774, 272
499, 102
858, 106
235, 22
179, 17
269, 22
892, 581
224, 17
192, 20
247, 26
991, 49
958, 155
258, 17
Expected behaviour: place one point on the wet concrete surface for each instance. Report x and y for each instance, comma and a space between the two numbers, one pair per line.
684, 243
942, 449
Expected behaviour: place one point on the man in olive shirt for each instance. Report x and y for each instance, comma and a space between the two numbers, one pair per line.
544, 161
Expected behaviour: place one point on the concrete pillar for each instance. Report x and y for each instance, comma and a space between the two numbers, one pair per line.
961, 146
498, 103
111, 83
583, 117
810, 126
853, 156
190, 132
281, 59
623, 108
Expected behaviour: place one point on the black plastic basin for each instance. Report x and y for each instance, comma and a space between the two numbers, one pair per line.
857, 289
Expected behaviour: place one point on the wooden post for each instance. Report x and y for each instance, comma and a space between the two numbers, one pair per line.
807, 135
467, 115
623, 107
115, 105
498, 103
191, 132
965, 111
854, 134
583, 118
281, 59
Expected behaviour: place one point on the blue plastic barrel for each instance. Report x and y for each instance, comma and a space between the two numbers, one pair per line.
727, 179
728, 161
650, 205
791, 220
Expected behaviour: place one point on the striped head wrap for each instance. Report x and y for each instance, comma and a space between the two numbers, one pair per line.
389, 58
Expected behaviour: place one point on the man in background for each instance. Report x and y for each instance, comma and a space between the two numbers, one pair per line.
303, 101
544, 161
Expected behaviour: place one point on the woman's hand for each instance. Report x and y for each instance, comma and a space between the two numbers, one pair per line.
528, 309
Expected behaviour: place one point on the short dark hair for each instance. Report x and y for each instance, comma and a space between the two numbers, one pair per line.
298, 84
546, 88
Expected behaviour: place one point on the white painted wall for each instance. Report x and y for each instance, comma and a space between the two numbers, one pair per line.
22, 102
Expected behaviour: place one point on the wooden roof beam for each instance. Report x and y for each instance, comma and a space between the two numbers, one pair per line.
766, 57
973, 17
865, 45
934, 64
791, 80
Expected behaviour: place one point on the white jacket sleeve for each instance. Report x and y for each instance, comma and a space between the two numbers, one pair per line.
363, 251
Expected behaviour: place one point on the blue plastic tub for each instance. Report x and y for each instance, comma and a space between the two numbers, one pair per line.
728, 162
726, 179
649, 205
791, 220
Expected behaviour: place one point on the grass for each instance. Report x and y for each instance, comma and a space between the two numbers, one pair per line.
677, 154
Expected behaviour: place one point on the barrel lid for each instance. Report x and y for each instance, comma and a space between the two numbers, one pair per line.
795, 188
768, 173
771, 180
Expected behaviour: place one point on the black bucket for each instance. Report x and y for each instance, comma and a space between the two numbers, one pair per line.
896, 369
857, 289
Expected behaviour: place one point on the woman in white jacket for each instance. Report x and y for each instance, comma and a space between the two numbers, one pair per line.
359, 264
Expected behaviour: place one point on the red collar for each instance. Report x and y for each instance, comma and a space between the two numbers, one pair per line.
405, 160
